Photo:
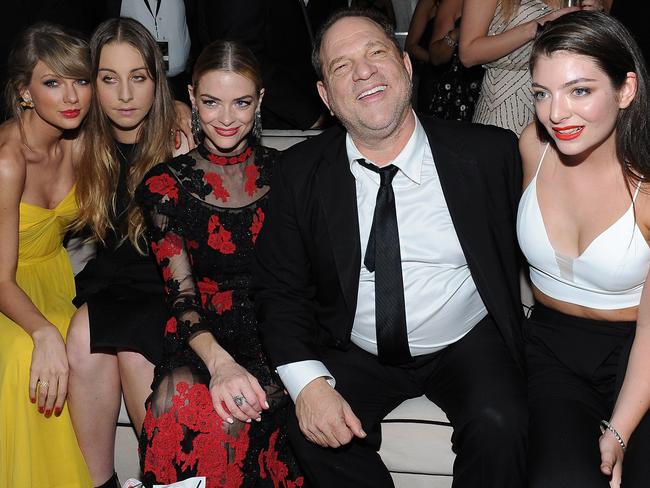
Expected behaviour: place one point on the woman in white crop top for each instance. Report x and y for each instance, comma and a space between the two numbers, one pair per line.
584, 226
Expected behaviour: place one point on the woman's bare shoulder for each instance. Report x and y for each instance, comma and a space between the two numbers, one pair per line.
531, 148
12, 159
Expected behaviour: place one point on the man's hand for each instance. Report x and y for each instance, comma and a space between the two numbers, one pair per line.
325, 417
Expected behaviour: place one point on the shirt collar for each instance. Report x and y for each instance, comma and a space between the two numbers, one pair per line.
409, 160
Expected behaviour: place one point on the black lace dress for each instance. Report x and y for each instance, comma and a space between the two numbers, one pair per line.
204, 213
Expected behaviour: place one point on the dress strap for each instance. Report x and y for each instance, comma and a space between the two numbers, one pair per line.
539, 165
638, 187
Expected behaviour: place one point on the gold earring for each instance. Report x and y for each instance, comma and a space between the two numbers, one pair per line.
28, 103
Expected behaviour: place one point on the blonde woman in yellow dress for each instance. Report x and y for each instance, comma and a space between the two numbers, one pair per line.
49, 95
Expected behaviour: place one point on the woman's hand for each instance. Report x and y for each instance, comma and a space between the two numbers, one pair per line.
236, 393
598, 5
48, 381
183, 124
611, 458
556, 14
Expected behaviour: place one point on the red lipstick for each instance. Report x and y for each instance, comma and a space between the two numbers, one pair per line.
71, 114
226, 132
569, 132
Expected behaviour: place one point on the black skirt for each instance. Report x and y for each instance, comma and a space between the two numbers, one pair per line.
126, 305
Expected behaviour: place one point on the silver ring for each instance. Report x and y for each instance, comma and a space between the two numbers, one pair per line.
239, 400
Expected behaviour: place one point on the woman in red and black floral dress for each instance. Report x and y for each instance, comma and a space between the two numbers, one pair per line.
217, 410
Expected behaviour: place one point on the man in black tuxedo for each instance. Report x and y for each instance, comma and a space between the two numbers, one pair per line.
388, 269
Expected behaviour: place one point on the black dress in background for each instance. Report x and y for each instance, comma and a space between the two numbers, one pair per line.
122, 288
204, 213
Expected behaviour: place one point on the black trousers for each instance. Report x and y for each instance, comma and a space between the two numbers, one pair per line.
576, 368
475, 381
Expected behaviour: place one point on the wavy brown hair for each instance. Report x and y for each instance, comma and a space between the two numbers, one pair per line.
99, 165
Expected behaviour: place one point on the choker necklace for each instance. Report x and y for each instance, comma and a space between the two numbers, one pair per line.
225, 160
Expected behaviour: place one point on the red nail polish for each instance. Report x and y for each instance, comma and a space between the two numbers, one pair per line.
41, 409
48, 413
57, 411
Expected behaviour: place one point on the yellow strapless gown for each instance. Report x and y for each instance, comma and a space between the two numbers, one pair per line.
36, 451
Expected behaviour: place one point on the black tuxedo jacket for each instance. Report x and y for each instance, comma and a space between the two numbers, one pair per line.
309, 252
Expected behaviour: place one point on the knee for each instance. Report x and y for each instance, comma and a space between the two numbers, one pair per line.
133, 361
504, 423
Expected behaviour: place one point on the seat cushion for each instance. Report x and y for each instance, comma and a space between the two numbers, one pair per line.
416, 438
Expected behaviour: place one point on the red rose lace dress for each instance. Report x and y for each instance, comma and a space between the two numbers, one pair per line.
203, 214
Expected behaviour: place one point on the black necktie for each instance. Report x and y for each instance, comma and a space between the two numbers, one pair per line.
383, 257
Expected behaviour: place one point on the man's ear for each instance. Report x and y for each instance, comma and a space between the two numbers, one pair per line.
322, 91
408, 65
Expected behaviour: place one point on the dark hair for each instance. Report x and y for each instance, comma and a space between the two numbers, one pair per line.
228, 56
371, 15
611, 46
66, 55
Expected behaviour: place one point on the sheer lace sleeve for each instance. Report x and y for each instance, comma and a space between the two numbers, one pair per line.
158, 197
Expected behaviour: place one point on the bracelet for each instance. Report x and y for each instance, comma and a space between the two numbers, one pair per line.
605, 425
450, 42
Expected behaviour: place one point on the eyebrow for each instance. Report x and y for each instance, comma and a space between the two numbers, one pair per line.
130, 71
568, 83
368, 45
244, 97
50, 75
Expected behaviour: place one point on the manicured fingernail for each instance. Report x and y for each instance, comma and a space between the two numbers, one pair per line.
266, 404
248, 421
259, 419
48, 413
57, 411
33, 400
41, 409
229, 420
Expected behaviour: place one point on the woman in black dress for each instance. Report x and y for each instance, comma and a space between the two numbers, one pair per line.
116, 335
217, 409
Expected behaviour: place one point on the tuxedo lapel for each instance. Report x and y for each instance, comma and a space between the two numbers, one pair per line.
337, 194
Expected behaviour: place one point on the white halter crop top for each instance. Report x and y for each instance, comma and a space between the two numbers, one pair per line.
608, 275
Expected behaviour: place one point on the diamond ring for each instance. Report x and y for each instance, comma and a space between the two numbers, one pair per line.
239, 400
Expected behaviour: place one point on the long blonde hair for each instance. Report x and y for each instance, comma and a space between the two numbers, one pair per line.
509, 7
99, 166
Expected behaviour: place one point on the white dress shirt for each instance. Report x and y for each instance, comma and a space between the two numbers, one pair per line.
169, 25
441, 300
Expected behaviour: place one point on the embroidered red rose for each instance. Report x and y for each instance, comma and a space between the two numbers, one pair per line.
219, 238
163, 185
256, 225
171, 245
207, 289
222, 301
218, 190
170, 326
252, 173
191, 244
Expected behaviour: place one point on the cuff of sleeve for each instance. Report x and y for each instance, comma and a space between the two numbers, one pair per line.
296, 376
